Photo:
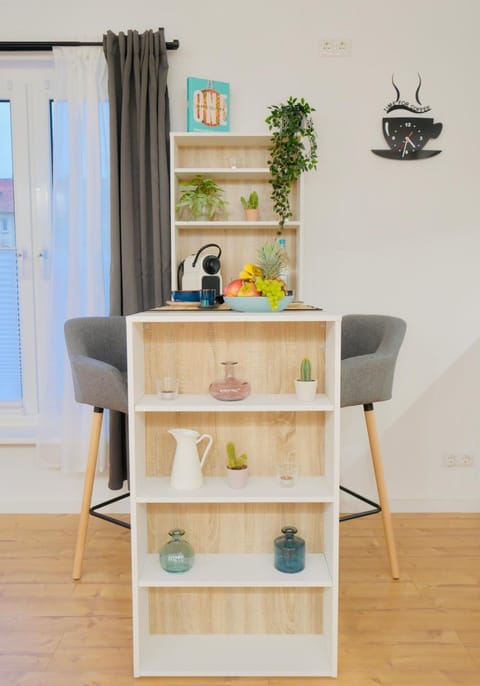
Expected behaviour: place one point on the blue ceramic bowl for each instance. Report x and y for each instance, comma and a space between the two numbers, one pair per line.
258, 303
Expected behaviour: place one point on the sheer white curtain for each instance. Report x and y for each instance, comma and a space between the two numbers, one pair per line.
80, 244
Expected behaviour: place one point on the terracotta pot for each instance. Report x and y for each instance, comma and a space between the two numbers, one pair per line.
237, 478
252, 215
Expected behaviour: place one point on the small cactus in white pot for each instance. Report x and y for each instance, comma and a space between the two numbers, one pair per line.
236, 468
305, 386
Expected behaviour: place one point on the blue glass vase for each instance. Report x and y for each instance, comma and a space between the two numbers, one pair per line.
177, 555
289, 551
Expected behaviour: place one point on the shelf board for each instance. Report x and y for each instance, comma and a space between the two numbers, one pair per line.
273, 402
259, 489
230, 224
194, 139
235, 571
187, 173
235, 655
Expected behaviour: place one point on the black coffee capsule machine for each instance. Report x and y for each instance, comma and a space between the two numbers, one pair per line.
196, 272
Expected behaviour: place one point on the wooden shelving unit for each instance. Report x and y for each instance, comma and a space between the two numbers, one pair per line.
238, 163
233, 613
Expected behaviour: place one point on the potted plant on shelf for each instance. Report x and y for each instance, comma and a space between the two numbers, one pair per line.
293, 150
236, 467
201, 200
250, 205
305, 386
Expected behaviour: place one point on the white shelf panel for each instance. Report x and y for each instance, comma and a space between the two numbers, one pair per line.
235, 655
186, 173
235, 571
259, 489
193, 315
275, 402
230, 224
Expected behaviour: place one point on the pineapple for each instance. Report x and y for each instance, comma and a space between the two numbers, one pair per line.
271, 260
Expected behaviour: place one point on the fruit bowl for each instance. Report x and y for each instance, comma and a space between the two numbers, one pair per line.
258, 303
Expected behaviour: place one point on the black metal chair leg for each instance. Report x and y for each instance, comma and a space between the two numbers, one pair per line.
356, 515
108, 518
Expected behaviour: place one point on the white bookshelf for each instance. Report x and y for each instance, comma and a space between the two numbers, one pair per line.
238, 164
234, 614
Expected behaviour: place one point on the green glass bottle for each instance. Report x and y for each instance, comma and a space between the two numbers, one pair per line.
177, 555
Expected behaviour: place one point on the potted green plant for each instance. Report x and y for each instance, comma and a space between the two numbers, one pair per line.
293, 150
236, 467
250, 205
202, 199
305, 386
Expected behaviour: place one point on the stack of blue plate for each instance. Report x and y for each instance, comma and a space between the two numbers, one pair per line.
186, 296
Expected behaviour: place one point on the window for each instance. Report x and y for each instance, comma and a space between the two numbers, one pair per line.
25, 192
10, 349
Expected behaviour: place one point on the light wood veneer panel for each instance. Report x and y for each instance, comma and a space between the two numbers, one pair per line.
235, 527
268, 354
236, 611
266, 438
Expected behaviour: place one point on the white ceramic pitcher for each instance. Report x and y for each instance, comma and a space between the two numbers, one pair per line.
187, 466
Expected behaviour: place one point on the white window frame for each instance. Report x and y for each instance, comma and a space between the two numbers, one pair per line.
26, 82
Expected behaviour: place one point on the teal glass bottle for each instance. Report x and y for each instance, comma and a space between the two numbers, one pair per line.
177, 555
289, 551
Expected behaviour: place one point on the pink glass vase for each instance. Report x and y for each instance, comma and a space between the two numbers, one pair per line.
229, 388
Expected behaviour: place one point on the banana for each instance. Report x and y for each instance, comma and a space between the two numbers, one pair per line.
250, 272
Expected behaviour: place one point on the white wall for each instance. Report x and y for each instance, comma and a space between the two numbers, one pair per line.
382, 236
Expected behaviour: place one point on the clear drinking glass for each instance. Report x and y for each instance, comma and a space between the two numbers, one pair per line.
167, 388
287, 473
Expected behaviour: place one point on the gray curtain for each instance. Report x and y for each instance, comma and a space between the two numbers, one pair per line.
140, 189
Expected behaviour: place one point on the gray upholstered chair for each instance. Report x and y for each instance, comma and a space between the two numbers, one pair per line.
370, 347
98, 357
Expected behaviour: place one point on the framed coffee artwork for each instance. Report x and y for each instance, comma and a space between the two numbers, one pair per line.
407, 136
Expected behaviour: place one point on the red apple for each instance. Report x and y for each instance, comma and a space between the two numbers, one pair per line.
248, 289
233, 287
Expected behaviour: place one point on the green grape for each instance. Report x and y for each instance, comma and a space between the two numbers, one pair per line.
272, 289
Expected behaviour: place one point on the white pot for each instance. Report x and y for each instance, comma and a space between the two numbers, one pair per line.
305, 390
237, 478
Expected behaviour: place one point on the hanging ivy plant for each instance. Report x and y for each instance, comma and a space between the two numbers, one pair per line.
293, 151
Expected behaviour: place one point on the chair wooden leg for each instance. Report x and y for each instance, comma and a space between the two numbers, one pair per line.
87, 491
382, 490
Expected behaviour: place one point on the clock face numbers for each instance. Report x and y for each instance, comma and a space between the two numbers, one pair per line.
405, 137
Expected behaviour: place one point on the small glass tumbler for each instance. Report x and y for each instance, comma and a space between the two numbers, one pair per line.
167, 388
207, 298
289, 551
177, 555
287, 473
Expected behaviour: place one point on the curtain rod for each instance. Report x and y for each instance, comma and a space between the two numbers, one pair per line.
36, 46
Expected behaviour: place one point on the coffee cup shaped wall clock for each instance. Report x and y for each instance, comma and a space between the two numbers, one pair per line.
407, 136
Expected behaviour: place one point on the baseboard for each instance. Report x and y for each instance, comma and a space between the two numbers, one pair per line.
442, 505
67, 507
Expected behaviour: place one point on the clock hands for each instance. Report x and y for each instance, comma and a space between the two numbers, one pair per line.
406, 141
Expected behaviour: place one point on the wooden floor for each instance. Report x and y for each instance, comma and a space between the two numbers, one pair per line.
423, 630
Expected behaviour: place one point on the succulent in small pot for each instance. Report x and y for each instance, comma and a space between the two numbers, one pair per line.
236, 467
250, 205
305, 386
